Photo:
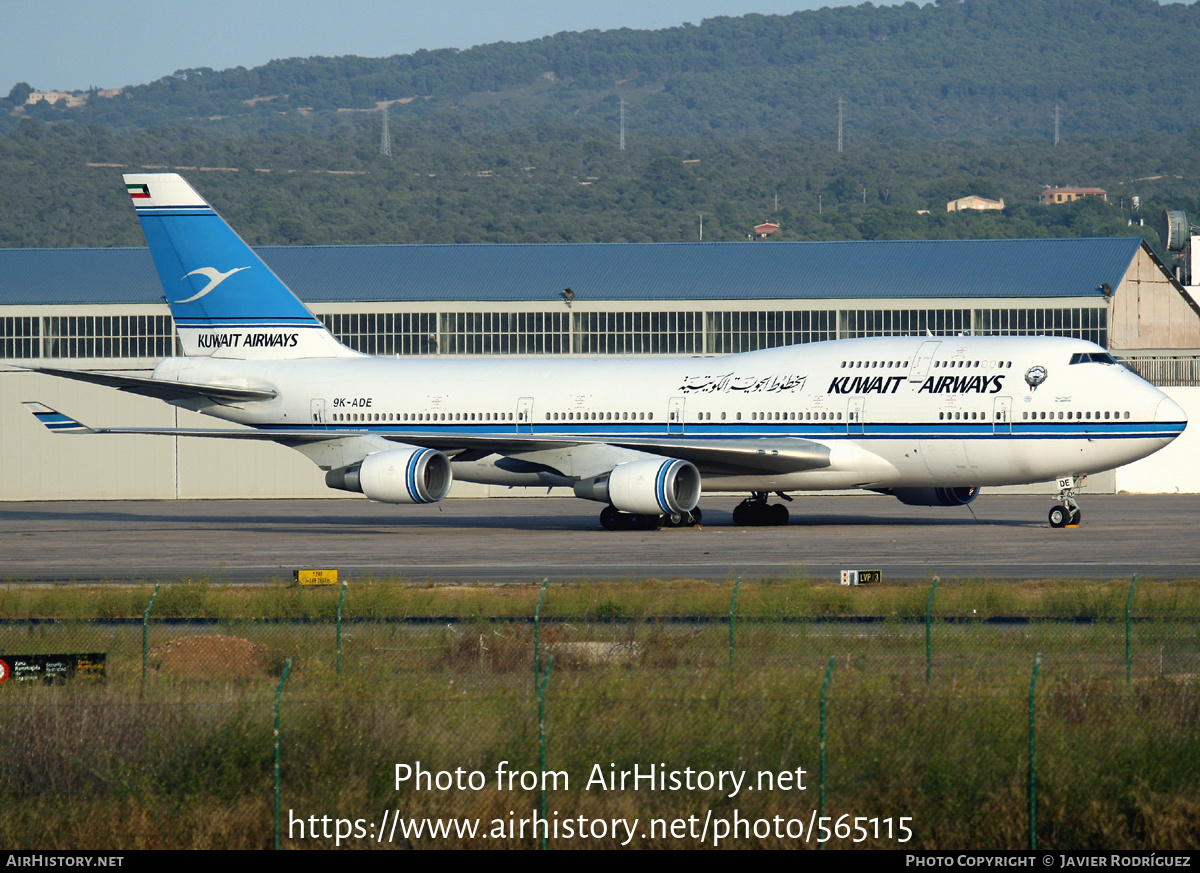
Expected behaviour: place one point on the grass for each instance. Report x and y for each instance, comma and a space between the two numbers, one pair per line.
795, 597
185, 762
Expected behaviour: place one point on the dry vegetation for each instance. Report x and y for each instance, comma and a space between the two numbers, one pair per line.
185, 760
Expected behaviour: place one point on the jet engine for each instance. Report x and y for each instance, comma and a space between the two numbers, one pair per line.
409, 475
650, 487
936, 496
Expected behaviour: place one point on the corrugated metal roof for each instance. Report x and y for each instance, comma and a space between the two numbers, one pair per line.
610, 271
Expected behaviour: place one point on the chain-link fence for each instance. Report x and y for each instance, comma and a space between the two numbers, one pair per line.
771, 724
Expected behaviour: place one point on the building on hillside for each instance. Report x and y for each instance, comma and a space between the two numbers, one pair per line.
103, 309
974, 201
761, 231
1050, 196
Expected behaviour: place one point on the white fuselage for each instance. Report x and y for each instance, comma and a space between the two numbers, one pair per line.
893, 412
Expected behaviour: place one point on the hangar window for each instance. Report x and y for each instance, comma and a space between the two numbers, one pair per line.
638, 333
385, 333
902, 322
1089, 324
107, 336
19, 337
730, 332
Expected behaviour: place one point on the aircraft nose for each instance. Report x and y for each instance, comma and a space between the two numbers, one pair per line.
1169, 411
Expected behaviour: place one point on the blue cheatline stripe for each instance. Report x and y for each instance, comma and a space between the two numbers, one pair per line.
1131, 430
168, 211
250, 321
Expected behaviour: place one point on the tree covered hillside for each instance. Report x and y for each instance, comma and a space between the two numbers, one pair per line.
971, 69
453, 180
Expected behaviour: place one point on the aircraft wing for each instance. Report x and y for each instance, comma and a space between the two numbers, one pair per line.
60, 423
711, 457
161, 388
730, 457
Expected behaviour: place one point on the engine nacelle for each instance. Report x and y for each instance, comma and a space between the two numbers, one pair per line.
651, 487
410, 475
936, 496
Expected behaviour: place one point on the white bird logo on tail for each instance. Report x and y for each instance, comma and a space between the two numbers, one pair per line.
215, 277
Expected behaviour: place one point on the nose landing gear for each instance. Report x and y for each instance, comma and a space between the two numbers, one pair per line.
1068, 513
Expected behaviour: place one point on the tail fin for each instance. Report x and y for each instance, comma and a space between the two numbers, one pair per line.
225, 301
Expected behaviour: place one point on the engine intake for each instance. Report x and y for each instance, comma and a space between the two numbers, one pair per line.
397, 476
936, 496
650, 487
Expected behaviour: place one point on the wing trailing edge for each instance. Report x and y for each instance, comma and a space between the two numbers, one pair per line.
161, 388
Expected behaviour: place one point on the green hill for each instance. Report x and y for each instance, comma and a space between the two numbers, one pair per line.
976, 69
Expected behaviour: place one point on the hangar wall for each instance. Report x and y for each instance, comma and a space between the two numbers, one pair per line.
1150, 311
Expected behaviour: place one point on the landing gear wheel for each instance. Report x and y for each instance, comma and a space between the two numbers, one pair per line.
754, 511
1060, 516
645, 522
1076, 514
611, 519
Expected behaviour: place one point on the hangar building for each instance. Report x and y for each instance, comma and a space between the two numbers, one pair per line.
103, 309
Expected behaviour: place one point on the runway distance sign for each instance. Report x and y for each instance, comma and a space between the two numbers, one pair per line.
315, 577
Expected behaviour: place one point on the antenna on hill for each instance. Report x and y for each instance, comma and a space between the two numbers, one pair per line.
839, 125
1056, 124
385, 139
622, 124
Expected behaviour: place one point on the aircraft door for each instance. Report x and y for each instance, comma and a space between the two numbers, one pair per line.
920, 365
317, 408
525, 415
855, 409
675, 416
1002, 416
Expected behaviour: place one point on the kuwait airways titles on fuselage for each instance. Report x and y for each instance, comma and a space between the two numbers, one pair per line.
932, 385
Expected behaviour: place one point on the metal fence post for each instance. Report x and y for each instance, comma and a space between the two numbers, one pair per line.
541, 690
1032, 755
146, 634
824, 696
1129, 634
732, 607
287, 666
537, 636
929, 631
341, 601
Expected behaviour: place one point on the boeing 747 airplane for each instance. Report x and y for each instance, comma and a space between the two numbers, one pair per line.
928, 419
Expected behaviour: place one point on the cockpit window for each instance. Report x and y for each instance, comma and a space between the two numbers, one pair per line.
1093, 358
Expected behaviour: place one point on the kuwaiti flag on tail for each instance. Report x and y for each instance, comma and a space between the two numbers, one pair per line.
225, 301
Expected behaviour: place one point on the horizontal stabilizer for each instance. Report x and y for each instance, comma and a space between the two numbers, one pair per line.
161, 388
55, 420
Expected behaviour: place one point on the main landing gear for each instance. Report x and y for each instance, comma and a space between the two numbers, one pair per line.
1068, 513
754, 511
612, 518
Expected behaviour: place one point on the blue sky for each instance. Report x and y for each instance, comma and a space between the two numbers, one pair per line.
71, 44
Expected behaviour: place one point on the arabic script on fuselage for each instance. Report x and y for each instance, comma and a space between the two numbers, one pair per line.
729, 382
